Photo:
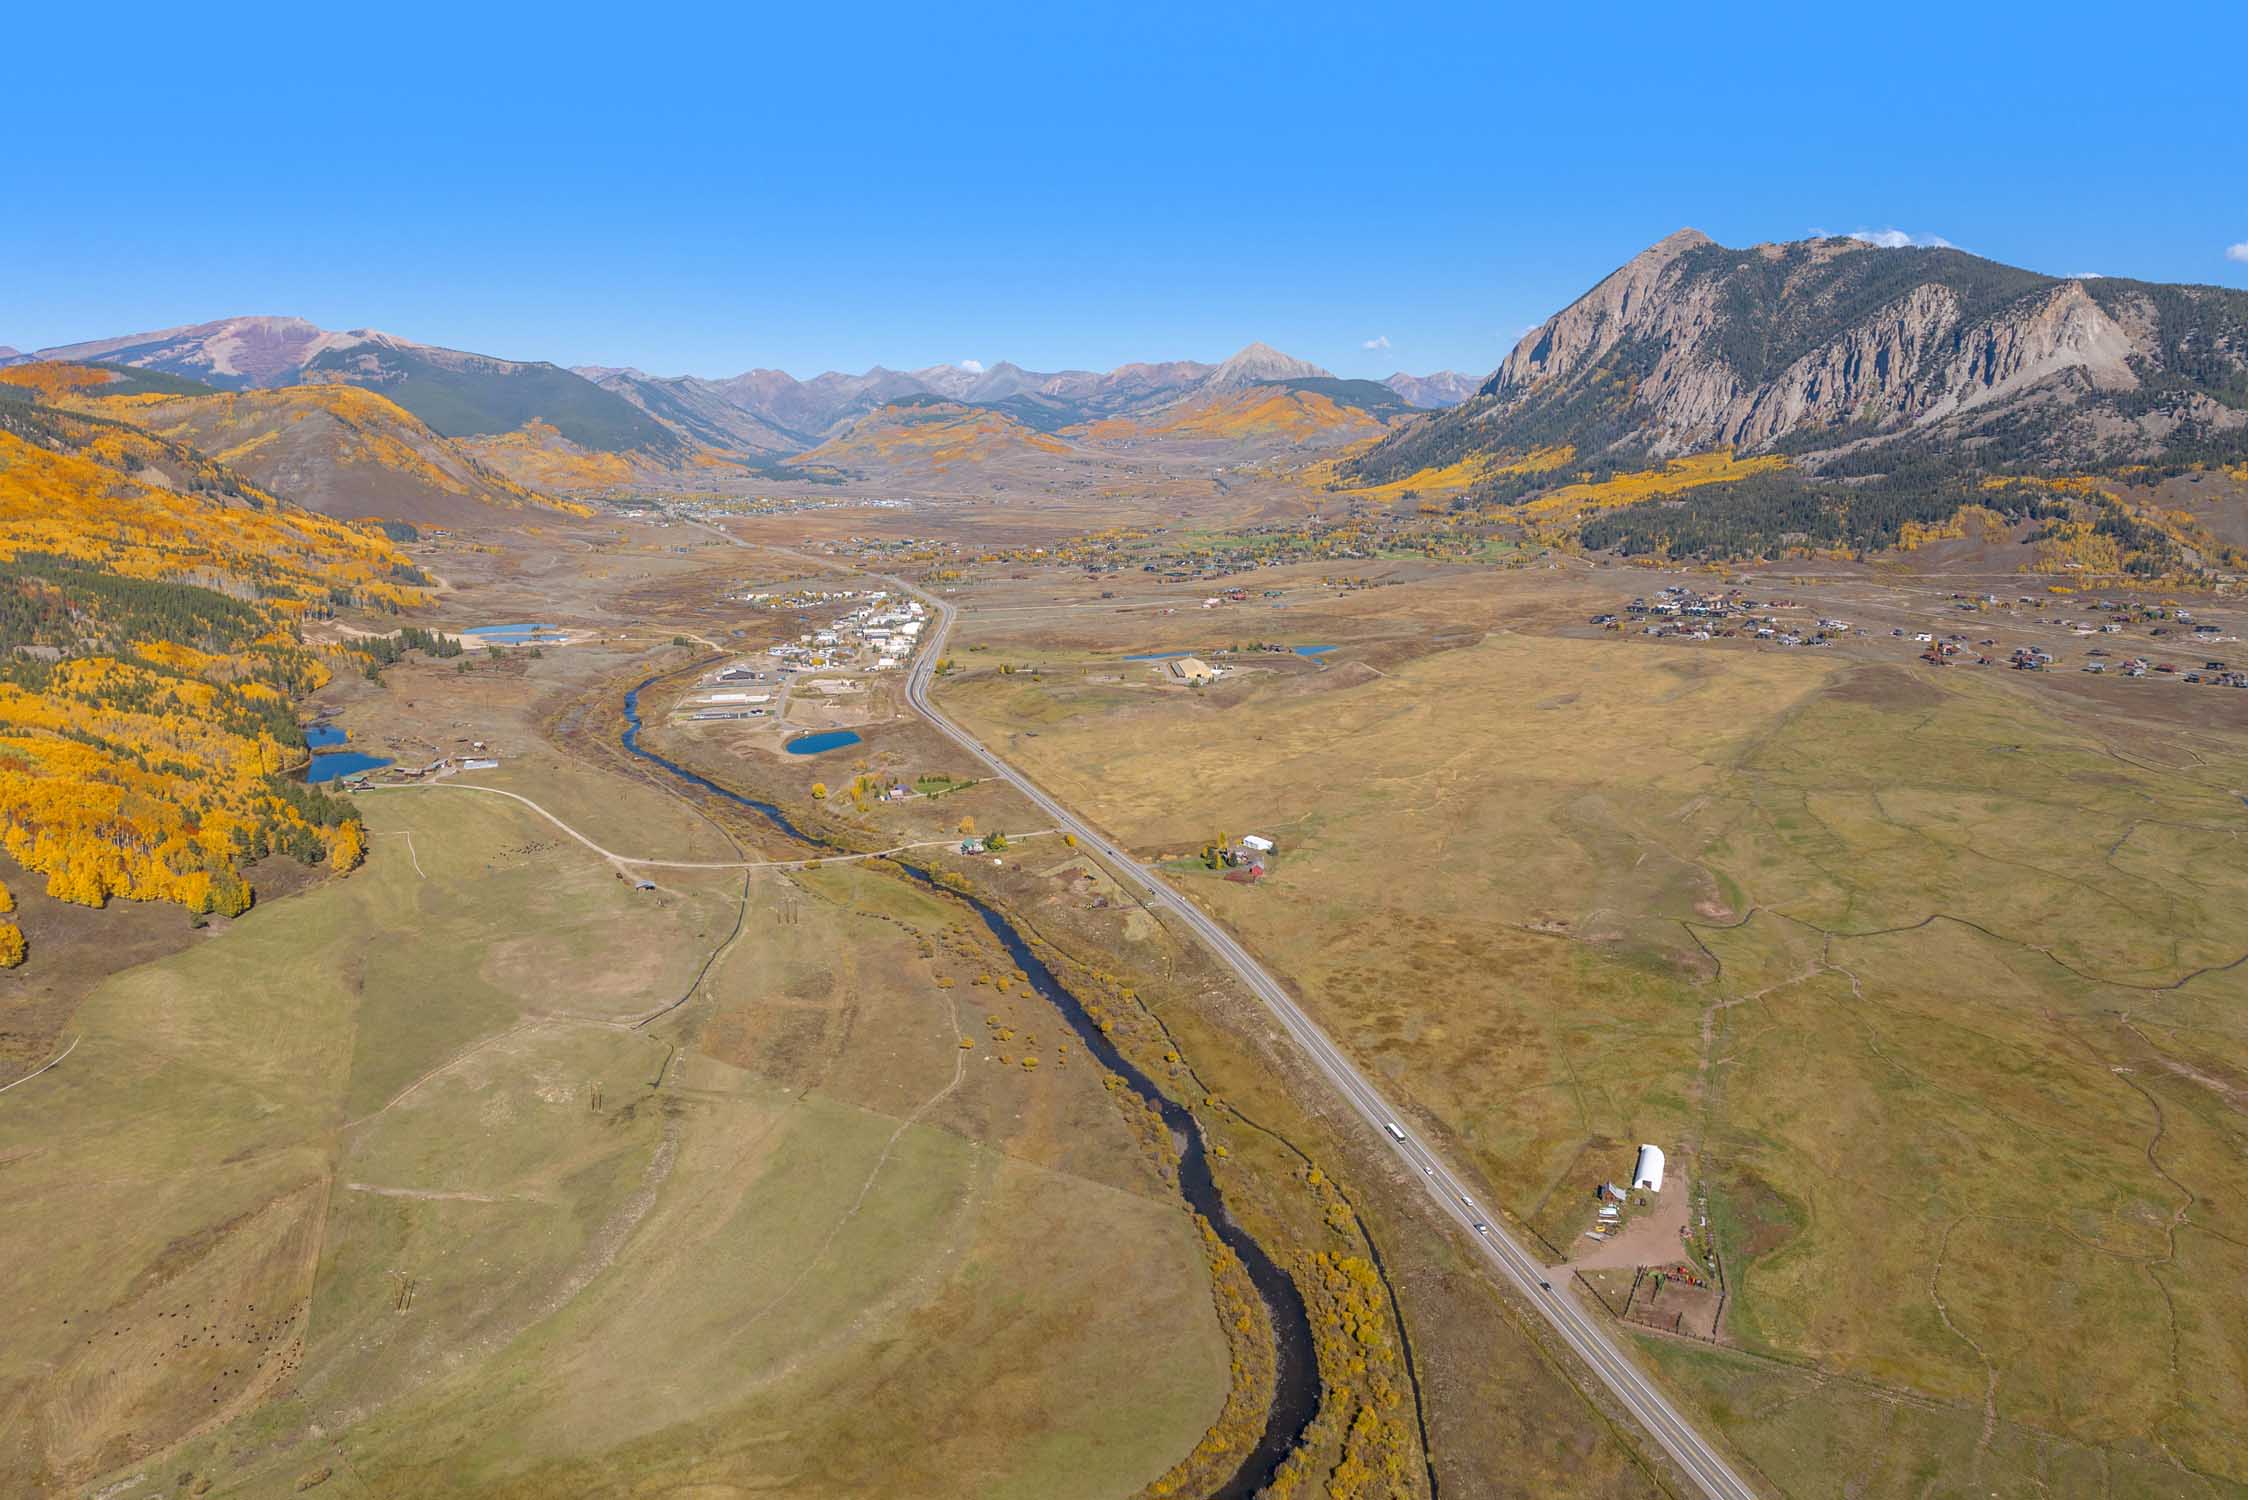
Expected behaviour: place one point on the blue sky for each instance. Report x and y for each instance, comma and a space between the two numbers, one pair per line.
840, 185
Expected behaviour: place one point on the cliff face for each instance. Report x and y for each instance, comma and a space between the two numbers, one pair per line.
1825, 344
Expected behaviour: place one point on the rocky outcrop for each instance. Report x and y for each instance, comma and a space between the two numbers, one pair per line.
1916, 362
1640, 298
1824, 344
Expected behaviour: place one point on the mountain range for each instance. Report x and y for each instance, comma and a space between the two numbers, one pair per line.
545, 424
791, 415
337, 449
1852, 387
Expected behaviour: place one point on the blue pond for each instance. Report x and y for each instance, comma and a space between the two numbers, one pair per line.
827, 739
511, 635
342, 763
1313, 650
1157, 655
321, 736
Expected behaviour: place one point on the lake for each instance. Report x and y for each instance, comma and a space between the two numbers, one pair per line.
338, 763
321, 736
512, 635
826, 739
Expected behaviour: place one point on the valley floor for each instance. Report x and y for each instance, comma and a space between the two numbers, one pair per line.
1927, 981
482, 1171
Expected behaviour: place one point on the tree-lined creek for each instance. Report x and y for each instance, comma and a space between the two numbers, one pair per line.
1296, 1390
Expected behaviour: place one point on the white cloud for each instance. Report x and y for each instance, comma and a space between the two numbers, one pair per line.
2087, 275
972, 366
1898, 239
1381, 341
2237, 252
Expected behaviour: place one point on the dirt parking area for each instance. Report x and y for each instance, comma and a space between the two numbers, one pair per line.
1653, 1236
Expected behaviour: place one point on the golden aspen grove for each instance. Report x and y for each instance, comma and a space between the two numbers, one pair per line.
151, 603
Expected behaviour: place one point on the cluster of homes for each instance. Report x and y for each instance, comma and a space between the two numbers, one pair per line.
2173, 626
476, 757
1687, 614
876, 633
2213, 672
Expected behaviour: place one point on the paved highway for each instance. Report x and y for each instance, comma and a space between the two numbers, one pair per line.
1701, 1462
1592, 1342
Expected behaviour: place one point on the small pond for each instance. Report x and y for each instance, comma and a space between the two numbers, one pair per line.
1157, 655
337, 763
826, 739
1313, 650
321, 736
513, 635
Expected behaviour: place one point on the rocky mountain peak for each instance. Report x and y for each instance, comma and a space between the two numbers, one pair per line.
1260, 362
1812, 345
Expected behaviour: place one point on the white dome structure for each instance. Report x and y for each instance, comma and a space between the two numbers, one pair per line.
1647, 1174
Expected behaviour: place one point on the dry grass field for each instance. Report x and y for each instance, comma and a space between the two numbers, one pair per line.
1497, 1405
1930, 983
383, 1191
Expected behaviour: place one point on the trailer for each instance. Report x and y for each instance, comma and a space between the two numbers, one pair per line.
1392, 1128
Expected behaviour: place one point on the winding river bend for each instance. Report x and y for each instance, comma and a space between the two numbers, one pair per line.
1296, 1386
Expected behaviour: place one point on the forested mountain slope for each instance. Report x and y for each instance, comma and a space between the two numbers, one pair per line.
336, 449
150, 649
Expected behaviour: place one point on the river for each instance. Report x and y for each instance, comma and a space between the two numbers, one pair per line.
1296, 1387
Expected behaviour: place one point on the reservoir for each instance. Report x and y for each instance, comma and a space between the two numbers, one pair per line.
826, 739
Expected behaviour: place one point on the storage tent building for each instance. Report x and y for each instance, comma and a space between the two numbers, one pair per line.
1648, 1173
